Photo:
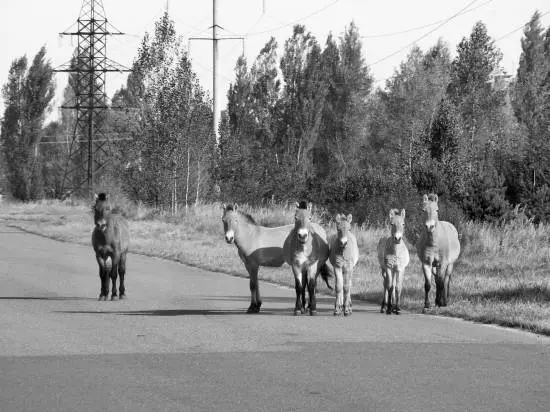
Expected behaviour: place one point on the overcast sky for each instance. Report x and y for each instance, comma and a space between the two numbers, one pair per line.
387, 27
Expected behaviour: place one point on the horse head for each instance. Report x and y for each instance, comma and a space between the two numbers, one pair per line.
343, 226
302, 221
397, 224
101, 210
230, 222
430, 209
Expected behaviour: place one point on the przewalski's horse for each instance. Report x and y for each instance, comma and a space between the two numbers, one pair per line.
110, 240
306, 251
344, 255
257, 246
438, 249
393, 257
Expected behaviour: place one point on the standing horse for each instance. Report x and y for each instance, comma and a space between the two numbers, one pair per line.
306, 251
344, 255
110, 240
438, 249
257, 246
393, 257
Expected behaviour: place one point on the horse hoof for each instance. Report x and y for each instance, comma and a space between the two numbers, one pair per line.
397, 311
114, 297
297, 312
425, 310
382, 310
122, 297
102, 297
347, 312
312, 312
303, 310
253, 309
388, 311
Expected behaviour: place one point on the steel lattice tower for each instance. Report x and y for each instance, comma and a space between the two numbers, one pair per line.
89, 149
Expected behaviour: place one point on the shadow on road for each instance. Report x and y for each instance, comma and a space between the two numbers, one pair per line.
44, 298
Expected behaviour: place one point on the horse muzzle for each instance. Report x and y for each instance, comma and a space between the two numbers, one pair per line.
343, 243
230, 237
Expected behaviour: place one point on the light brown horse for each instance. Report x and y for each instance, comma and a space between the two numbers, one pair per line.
306, 251
438, 249
393, 257
344, 255
257, 246
110, 239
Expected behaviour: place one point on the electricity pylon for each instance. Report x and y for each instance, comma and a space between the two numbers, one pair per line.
89, 149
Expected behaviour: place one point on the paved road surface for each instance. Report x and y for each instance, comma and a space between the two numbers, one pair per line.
182, 341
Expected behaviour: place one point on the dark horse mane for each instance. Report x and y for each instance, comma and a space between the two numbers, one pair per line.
247, 216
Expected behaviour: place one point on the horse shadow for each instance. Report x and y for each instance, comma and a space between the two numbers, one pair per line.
62, 298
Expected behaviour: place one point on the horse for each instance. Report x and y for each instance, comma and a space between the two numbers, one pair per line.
256, 245
393, 257
438, 249
110, 239
344, 255
306, 251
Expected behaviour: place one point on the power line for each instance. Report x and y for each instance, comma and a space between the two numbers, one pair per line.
424, 35
292, 23
519, 28
395, 33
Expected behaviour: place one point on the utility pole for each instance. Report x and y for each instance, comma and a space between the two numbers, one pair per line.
89, 65
215, 76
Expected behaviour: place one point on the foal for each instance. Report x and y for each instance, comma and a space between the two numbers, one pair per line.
110, 240
344, 255
393, 257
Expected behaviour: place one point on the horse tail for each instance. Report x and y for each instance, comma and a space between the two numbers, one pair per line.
326, 274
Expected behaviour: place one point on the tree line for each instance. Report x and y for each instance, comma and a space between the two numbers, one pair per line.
306, 120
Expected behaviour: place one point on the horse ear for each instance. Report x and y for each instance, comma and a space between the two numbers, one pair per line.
392, 213
309, 206
297, 205
224, 206
337, 217
425, 198
435, 198
235, 207
403, 213
349, 218
95, 196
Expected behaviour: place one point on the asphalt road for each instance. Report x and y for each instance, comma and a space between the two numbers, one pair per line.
182, 341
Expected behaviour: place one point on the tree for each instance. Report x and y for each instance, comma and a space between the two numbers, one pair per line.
172, 138
477, 61
531, 95
28, 95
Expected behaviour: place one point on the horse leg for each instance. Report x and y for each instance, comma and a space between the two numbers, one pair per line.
385, 295
304, 287
114, 275
255, 301
121, 273
311, 287
347, 290
103, 276
398, 287
339, 302
427, 269
298, 286
391, 291
446, 282
439, 281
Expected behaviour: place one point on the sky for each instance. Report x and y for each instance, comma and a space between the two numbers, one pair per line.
388, 28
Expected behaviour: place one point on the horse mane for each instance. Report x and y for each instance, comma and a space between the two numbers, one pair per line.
248, 218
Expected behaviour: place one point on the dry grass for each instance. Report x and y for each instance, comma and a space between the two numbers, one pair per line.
501, 277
